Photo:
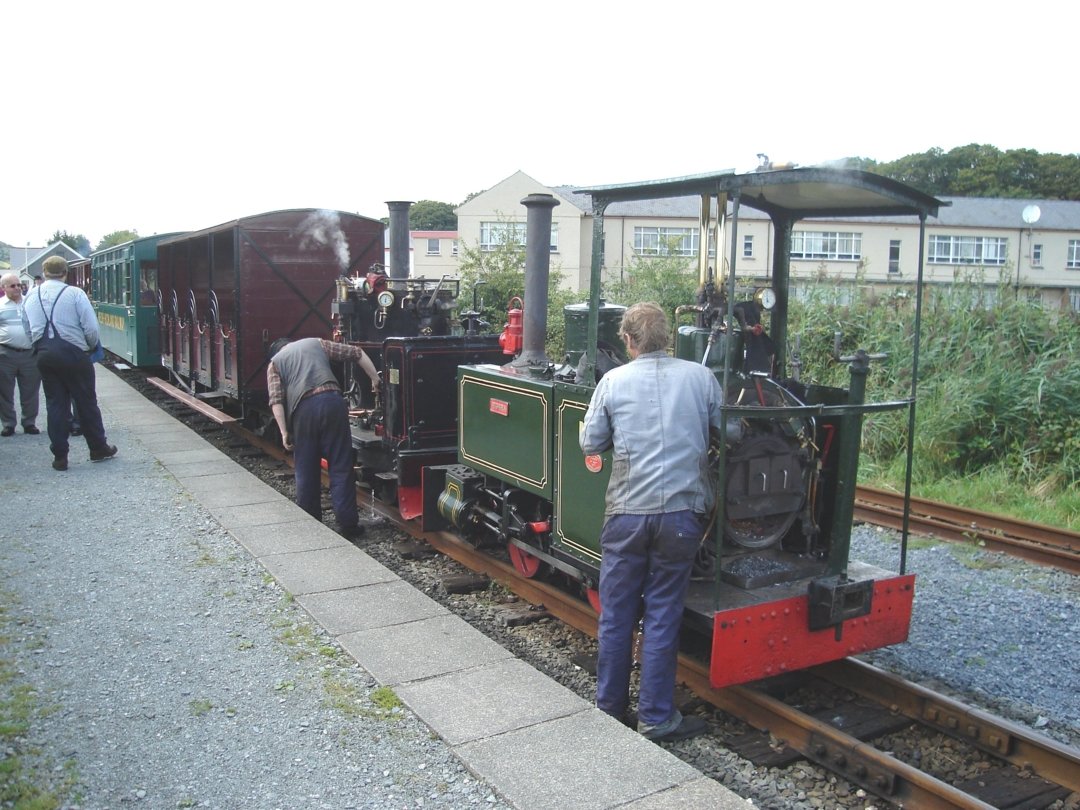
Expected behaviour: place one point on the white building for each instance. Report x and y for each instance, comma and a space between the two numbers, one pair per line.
435, 253
1033, 244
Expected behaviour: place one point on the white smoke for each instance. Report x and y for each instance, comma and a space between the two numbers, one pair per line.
324, 228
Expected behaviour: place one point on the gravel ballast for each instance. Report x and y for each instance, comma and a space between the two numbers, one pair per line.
994, 630
160, 666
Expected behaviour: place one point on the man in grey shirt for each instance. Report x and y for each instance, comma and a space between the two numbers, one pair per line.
655, 415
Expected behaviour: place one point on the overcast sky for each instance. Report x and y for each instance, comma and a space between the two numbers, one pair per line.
160, 117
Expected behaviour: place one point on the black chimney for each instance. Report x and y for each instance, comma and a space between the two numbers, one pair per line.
399, 239
537, 270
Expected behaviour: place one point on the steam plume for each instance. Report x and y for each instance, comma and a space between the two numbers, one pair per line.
324, 228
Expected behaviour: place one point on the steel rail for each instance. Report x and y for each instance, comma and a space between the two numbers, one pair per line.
1037, 543
1019, 745
860, 763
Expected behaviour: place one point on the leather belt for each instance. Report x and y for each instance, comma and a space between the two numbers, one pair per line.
319, 389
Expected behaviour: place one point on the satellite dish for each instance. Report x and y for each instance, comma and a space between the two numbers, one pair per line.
1031, 214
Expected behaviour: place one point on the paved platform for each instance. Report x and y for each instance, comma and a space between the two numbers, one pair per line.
536, 742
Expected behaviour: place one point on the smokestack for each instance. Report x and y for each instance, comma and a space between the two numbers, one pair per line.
537, 269
399, 238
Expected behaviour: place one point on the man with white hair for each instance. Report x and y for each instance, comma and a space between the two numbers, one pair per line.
655, 415
64, 330
16, 361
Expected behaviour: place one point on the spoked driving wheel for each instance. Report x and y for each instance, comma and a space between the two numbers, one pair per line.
525, 563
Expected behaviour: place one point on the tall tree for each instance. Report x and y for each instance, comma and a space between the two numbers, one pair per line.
429, 215
116, 238
500, 272
77, 242
981, 170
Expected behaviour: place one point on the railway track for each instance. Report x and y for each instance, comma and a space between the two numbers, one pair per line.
842, 752
1044, 545
1032, 770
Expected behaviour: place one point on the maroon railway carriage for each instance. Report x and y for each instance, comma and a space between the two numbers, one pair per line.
79, 274
229, 291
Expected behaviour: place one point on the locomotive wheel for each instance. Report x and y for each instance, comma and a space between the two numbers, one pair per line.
526, 564
593, 596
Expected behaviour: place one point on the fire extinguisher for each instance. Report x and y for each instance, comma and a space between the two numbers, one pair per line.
511, 336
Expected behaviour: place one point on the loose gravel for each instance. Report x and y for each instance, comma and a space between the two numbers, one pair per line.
159, 666
998, 632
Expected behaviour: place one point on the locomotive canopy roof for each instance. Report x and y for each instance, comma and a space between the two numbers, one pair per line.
786, 193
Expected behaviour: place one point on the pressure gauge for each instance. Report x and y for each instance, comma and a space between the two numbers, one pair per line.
765, 298
385, 299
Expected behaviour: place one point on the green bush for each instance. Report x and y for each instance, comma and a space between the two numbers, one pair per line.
501, 273
999, 379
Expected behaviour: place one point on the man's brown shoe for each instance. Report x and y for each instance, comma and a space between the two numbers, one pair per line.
106, 452
59, 463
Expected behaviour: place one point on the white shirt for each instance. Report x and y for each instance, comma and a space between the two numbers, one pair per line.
14, 328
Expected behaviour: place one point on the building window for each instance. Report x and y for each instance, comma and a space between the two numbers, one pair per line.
1074, 300
665, 241
494, 234
747, 247
984, 250
1036, 255
432, 247
453, 250
894, 256
838, 245
1072, 261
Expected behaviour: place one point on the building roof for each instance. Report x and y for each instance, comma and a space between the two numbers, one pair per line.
1001, 212
32, 268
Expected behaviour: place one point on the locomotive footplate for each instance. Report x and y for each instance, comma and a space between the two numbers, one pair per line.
761, 568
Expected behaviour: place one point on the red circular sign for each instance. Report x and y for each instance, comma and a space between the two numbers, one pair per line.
594, 463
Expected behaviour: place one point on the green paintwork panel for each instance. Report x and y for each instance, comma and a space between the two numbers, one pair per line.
123, 289
129, 332
580, 483
505, 426
576, 317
